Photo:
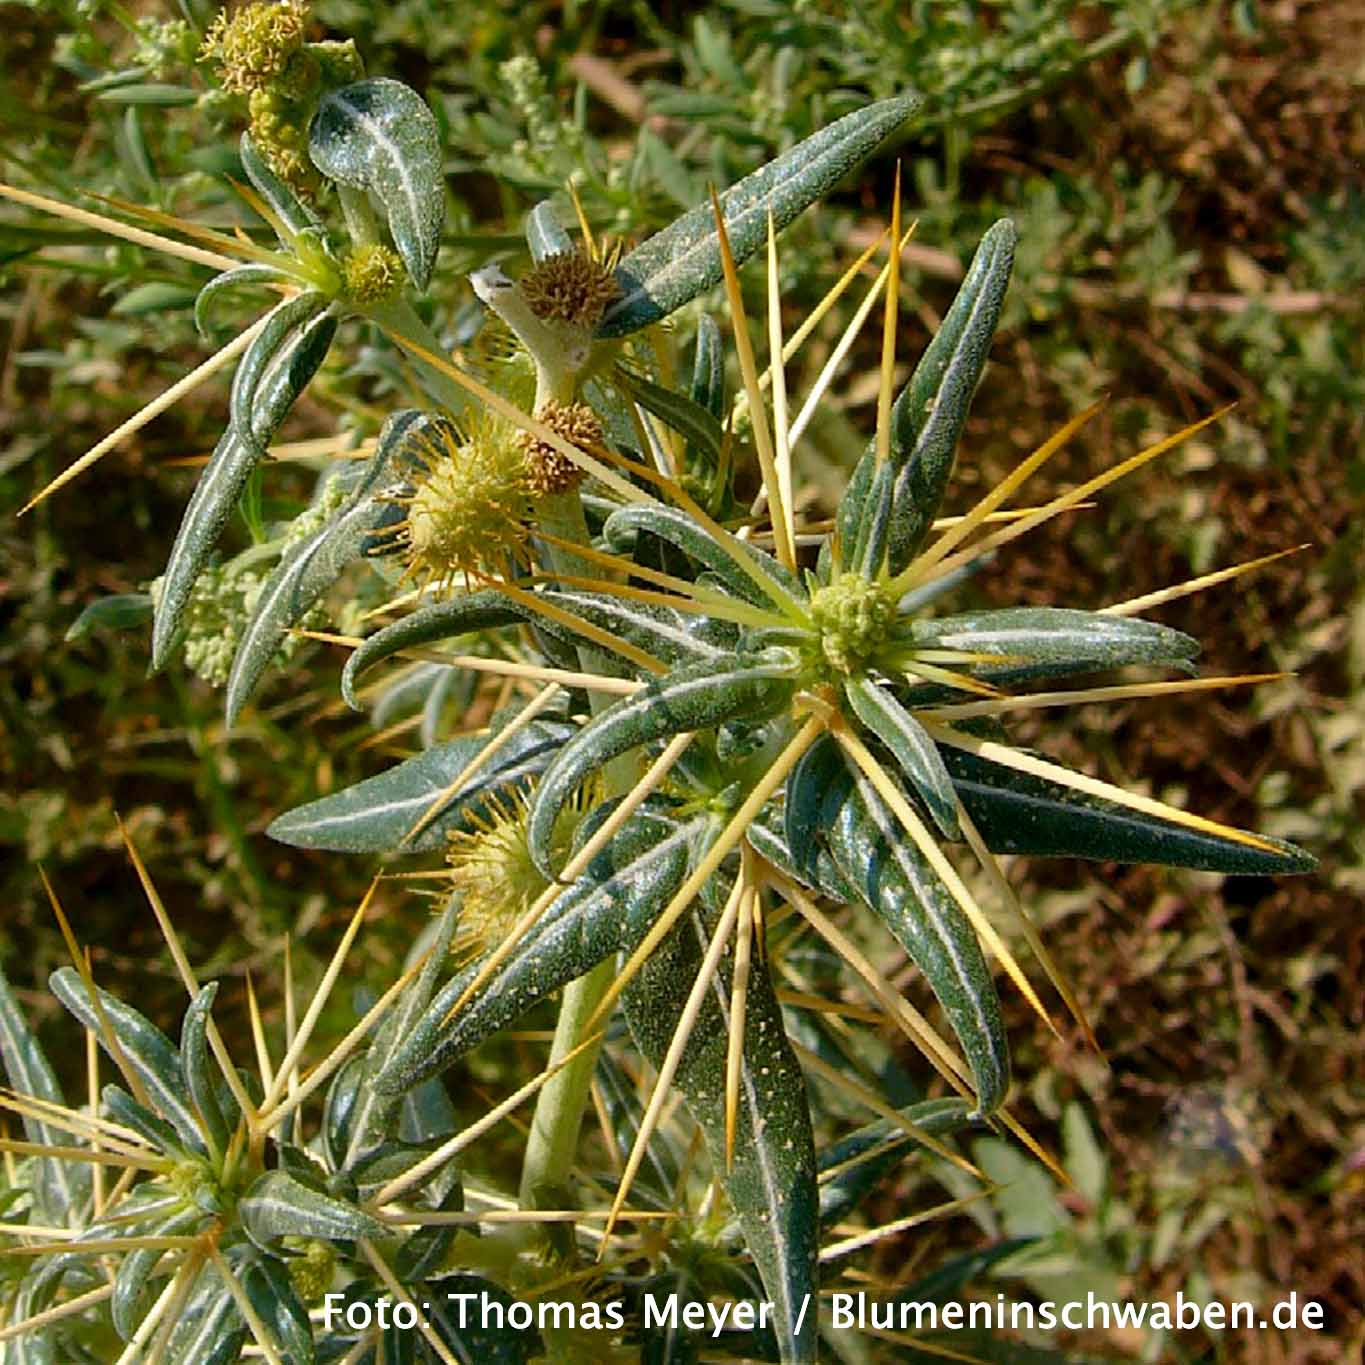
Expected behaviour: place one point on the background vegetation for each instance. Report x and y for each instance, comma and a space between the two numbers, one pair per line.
1188, 184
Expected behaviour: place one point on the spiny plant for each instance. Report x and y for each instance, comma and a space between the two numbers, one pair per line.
714, 719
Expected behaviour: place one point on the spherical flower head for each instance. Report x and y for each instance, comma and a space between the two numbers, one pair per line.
853, 615
372, 273
311, 1267
253, 45
570, 287
492, 869
467, 511
550, 471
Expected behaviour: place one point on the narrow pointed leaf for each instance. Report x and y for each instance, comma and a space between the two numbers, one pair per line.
152, 1055
151, 1128
691, 697
1019, 813
280, 1205
132, 1282
380, 136
1053, 641
771, 1182
375, 1108
285, 204
688, 418
221, 483
313, 566
62, 1187
220, 285
272, 1295
210, 1329
893, 879
461, 615
610, 908
872, 1152
282, 323
376, 815
200, 1072
928, 416
658, 630
119, 611
677, 528
684, 260
911, 746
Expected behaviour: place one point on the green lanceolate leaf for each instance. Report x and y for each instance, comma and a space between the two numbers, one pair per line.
293, 364
1019, 813
119, 611
684, 260
1052, 641
272, 1295
282, 322
692, 697
200, 1073
380, 136
376, 815
544, 234
610, 908
306, 573
840, 809
708, 368
239, 277
373, 1110
928, 416
293, 214
61, 1188
677, 528
279, 1204
911, 746
132, 1281
209, 1329
688, 418
771, 1183
856, 1164
660, 631
874, 524
151, 1055
483, 610
151, 1128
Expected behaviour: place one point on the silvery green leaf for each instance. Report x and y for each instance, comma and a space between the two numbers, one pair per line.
285, 320
461, 615
708, 368
863, 1158
238, 277
928, 416
772, 1181
278, 1204
293, 214
292, 365
150, 1054
339, 1110
677, 528
610, 908
659, 630
894, 880
424, 1251
685, 415
209, 1329
694, 696
374, 1109
1051, 641
307, 571
683, 260
376, 815
873, 527
119, 611
910, 745
154, 1131
1019, 813
272, 1295
133, 1293
544, 235
201, 1074
380, 136
62, 1187
658, 1176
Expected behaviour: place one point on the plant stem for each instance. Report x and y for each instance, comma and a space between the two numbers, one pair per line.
399, 316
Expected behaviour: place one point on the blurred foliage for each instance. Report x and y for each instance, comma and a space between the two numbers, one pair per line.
1187, 181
